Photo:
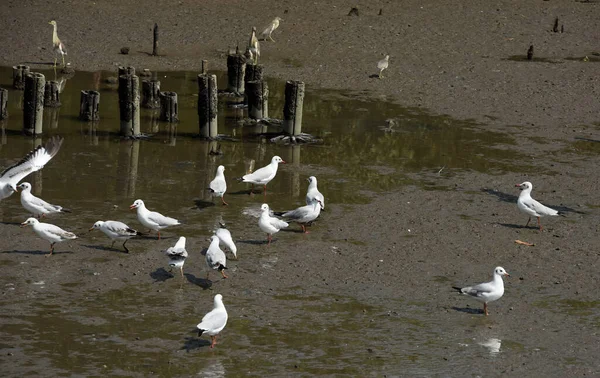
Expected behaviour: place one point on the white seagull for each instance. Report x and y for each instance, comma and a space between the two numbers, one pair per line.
530, 206
269, 224
37, 206
271, 28
49, 232
151, 219
33, 161
263, 175
313, 193
116, 230
218, 186
225, 236
303, 215
487, 292
214, 322
215, 257
177, 254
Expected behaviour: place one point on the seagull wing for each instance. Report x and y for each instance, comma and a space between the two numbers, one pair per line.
218, 185
161, 220
214, 320
260, 174
539, 208
33, 161
120, 228
278, 223
478, 290
55, 230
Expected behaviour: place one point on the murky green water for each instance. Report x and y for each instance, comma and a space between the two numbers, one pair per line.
133, 331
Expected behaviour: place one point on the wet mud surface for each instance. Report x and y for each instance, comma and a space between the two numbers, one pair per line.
410, 212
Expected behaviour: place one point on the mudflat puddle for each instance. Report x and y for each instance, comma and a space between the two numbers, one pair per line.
138, 330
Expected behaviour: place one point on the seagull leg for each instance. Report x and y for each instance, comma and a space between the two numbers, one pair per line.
528, 220
223, 273
63, 57
539, 223
181, 267
269, 239
51, 250
270, 37
126, 250
223, 200
158, 235
113, 244
485, 309
213, 340
303, 228
55, 59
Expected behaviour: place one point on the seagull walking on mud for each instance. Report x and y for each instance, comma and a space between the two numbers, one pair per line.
218, 186
37, 206
225, 237
382, 65
313, 193
214, 322
49, 232
151, 219
270, 29
303, 215
116, 230
33, 161
177, 254
268, 224
532, 207
264, 175
487, 292
57, 46
215, 257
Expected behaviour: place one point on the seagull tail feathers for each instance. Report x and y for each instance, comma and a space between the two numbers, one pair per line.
459, 289
221, 267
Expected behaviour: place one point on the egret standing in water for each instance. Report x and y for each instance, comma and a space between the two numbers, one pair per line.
58, 46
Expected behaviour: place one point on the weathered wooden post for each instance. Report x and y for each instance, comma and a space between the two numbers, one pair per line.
129, 105
126, 71
89, 106
258, 99
236, 70
52, 94
207, 105
150, 94
33, 103
292, 109
253, 72
3, 103
19, 73
155, 41
204, 67
169, 108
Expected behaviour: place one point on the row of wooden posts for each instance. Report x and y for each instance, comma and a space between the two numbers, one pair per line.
244, 79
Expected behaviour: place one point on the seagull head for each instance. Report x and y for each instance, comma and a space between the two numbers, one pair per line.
96, 225
13, 188
500, 271
136, 204
30, 221
524, 186
220, 169
277, 160
264, 207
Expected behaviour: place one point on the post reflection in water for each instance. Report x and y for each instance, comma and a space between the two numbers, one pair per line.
129, 151
292, 159
52, 115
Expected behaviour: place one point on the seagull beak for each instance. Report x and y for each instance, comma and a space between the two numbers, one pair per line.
23, 224
91, 229
132, 207
517, 185
506, 274
282, 161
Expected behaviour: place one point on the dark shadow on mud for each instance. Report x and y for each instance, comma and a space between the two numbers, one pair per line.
161, 275
255, 242
515, 226
468, 310
104, 248
203, 204
246, 192
192, 343
504, 197
38, 252
203, 283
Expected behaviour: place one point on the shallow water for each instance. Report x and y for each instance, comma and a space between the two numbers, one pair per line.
132, 331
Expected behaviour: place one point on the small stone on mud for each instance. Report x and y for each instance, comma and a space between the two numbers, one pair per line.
124, 50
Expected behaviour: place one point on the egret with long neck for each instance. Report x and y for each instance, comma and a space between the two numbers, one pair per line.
58, 46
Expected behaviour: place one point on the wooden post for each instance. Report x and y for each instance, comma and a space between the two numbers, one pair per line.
258, 99
530, 53
236, 69
126, 70
3, 103
33, 103
155, 42
52, 94
19, 74
292, 109
129, 105
207, 105
150, 94
204, 67
169, 109
88, 106
253, 72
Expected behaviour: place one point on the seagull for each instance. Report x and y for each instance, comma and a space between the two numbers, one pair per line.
225, 236
382, 65
530, 206
269, 224
254, 46
33, 161
37, 206
214, 322
58, 46
271, 28
177, 254
313, 193
303, 215
151, 219
215, 257
218, 186
264, 175
49, 232
116, 231
487, 292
